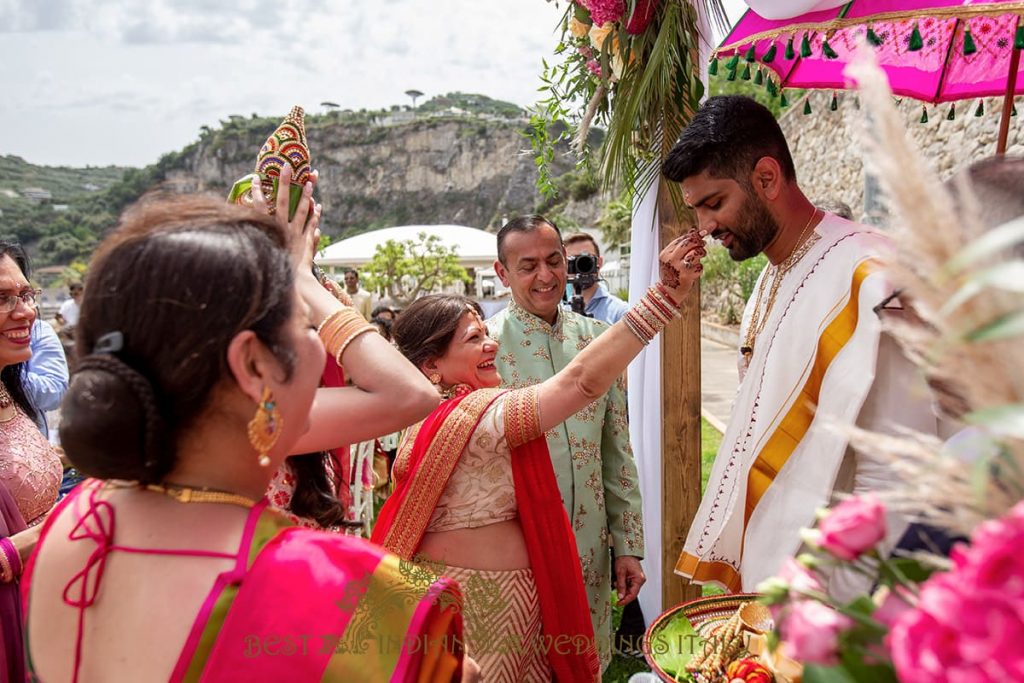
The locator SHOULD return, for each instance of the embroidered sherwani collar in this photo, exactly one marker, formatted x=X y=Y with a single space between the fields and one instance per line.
x=533 y=323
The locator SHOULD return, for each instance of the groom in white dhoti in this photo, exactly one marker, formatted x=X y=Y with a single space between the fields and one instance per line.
x=813 y=350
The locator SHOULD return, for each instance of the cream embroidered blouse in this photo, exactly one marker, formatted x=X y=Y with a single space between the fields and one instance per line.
x=480 y=490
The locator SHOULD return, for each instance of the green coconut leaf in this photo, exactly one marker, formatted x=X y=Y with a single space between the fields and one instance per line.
x=1008 y=277
x=993 y=242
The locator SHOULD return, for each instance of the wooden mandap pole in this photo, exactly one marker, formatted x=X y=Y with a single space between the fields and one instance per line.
x=680 y=426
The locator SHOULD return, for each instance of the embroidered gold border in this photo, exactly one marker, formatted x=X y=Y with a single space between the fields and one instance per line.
x=962 y=12
x=522 y=416
x=794 y=425
x=429 y=480
x=693 y=568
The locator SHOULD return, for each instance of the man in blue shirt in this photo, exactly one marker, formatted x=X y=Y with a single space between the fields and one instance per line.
x=600 y=303
x=46 y=375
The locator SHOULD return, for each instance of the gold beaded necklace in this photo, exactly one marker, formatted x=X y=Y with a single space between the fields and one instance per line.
x=187 y=494
x=758 y=319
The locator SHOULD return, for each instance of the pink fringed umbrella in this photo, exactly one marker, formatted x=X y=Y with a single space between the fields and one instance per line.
x=932 y=50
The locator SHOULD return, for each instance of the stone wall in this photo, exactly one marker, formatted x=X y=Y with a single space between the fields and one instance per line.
x=827 y=151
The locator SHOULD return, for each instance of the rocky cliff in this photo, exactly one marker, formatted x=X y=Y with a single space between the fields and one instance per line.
x=463 y=170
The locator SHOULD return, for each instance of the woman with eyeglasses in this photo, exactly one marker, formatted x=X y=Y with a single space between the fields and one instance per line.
x=30 y=468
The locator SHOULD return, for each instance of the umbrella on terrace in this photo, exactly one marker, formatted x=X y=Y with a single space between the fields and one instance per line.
x=932 y=50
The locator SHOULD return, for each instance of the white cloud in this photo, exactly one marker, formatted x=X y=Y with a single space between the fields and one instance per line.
x=123 y=81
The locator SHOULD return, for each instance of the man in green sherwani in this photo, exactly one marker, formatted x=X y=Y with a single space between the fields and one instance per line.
x=590 y=451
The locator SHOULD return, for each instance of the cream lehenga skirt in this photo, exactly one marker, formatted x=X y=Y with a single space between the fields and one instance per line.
x=502 y=624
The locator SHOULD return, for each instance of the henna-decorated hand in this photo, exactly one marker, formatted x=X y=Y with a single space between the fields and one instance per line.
x=680 y=263
x=303 y=229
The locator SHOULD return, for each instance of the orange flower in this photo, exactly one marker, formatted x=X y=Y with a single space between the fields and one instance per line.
x=748 y=671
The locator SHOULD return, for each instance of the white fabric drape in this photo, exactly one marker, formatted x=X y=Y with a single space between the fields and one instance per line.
x=645 y=373
x=645 y=399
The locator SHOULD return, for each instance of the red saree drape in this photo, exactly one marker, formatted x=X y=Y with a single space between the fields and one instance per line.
x=551 y=546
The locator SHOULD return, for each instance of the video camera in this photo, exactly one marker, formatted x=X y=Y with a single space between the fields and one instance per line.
x=582 y=272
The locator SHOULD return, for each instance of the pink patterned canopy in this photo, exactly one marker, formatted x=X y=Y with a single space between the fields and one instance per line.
x=932 y=50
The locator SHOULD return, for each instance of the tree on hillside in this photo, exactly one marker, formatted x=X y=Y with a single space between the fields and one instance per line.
x=408 y=269
x=330 y=105
x=616 y=221
x=414 y=94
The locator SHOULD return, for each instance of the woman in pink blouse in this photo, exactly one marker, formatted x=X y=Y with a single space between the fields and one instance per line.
x=30 y=468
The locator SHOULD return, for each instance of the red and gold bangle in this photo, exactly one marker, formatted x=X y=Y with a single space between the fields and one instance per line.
x=663 y=290
x=636 y=324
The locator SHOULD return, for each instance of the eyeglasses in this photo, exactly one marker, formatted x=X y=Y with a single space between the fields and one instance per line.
x=8 y=302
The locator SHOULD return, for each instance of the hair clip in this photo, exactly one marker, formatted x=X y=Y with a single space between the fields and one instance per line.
x=111 y=342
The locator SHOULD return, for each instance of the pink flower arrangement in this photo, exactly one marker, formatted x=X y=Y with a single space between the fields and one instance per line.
x=800 y=579
x=603 y=11
x=810 y=631
x=968 y=624
x=852 y=527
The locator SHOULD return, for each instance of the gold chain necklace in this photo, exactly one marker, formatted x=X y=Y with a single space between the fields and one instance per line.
x=187 y=494
x=759 y=319
x=5 y=397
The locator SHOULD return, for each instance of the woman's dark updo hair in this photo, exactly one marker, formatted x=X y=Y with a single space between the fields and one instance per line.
x=178 y=279
x=13 y=375
x=424 y=330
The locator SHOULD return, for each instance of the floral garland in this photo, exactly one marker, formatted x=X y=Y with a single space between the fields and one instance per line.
x=630 y=66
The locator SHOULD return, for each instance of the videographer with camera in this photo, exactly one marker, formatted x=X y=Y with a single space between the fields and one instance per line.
x=591 y=297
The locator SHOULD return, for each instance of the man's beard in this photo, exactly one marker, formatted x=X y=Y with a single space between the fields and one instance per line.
x=754 y=230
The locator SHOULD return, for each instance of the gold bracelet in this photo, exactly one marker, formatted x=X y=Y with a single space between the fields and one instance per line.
x=6 y=573
x=334 y=330
x=344 y=345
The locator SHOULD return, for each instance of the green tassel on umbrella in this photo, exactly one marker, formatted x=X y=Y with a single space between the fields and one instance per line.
x=769 y=55
x=807 y=107
x=1018 y=39
x=924 y=114
x=713 y=67
x=783 y=101
x=873 y=37
x=916 y=43
x=751 y=56
x=731 y=76
x=733 y=62
x=969 y=47
x=770 y=86
x=980 y=109
x=790 y=52
x=834 y=104
x=952 y=112
x=758 y=78
x=828 y=51
x=1013 y=110
x=805 y=46
x=746 y=73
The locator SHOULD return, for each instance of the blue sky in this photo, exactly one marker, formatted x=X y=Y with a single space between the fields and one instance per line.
x=123 y=81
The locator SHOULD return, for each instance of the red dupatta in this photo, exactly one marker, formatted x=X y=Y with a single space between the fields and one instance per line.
x=550 y=543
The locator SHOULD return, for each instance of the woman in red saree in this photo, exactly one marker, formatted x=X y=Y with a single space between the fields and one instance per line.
x=476 y=495
x=201 y=344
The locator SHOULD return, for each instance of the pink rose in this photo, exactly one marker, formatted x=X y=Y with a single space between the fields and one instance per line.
x=603 y=11
x=800 y=579
x=969 y=622
x=893 y=604
x=853 y=526
x=810 y=632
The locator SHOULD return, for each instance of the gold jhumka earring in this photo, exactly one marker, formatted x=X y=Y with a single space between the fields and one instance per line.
x=265 y=426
